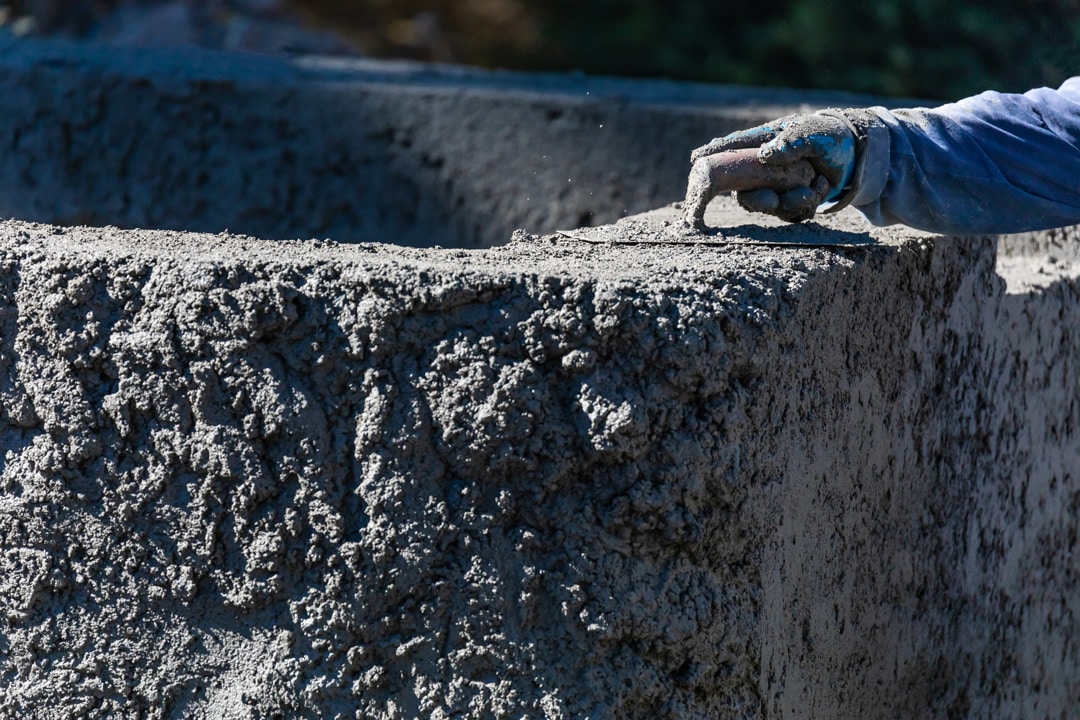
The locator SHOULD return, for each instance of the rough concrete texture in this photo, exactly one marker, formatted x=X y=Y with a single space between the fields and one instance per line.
x=562 y=478
x=351 y=150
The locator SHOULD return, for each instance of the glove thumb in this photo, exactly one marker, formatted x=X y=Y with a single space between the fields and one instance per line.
x=782 y=151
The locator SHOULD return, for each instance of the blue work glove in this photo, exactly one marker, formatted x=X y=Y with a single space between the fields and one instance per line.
x=826 y=139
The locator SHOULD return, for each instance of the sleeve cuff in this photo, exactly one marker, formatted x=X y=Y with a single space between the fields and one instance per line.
x=872 y=156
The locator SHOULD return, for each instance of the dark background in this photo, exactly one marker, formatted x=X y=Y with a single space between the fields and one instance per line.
x=918 y=48
x=926 y=48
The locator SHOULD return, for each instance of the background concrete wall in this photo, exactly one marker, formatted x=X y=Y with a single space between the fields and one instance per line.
x=351 y=150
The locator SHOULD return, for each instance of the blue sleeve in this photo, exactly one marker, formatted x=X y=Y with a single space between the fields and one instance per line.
x=993 y=163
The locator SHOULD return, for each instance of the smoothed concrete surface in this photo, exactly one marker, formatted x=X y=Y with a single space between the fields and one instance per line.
x=568 y=477
x=350 y=150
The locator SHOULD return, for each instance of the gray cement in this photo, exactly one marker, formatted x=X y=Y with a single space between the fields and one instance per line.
x=345 y=149
x=634 y=473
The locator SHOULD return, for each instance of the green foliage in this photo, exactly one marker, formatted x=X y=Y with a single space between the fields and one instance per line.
x=916 y=48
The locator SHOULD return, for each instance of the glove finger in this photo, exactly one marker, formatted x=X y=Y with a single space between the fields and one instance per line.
x=802 y=203
x=762 y=200
x=740 y=140
x=700 y=189
x=831 y=152
x=820 y=187
x=798 y=205
x=786 y=149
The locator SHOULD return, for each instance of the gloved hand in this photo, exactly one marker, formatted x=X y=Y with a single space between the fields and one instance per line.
x=824 y=139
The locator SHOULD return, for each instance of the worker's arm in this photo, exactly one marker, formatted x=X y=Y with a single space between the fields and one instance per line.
x=992 y=163
x=989 y=164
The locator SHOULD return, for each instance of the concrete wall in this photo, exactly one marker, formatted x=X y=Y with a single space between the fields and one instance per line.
x=612 y=476
x=351 y=150
x=553 y=479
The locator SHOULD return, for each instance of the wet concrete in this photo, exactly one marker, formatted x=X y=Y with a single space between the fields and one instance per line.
x=566 y=477
x=627 y=471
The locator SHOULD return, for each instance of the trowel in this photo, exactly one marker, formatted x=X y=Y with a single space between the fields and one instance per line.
x=737 y=171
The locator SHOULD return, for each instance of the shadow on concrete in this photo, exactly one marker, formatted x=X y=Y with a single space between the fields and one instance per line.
x=800 y=235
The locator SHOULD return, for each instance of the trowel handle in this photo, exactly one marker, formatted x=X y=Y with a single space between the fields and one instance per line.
x=742 y=170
